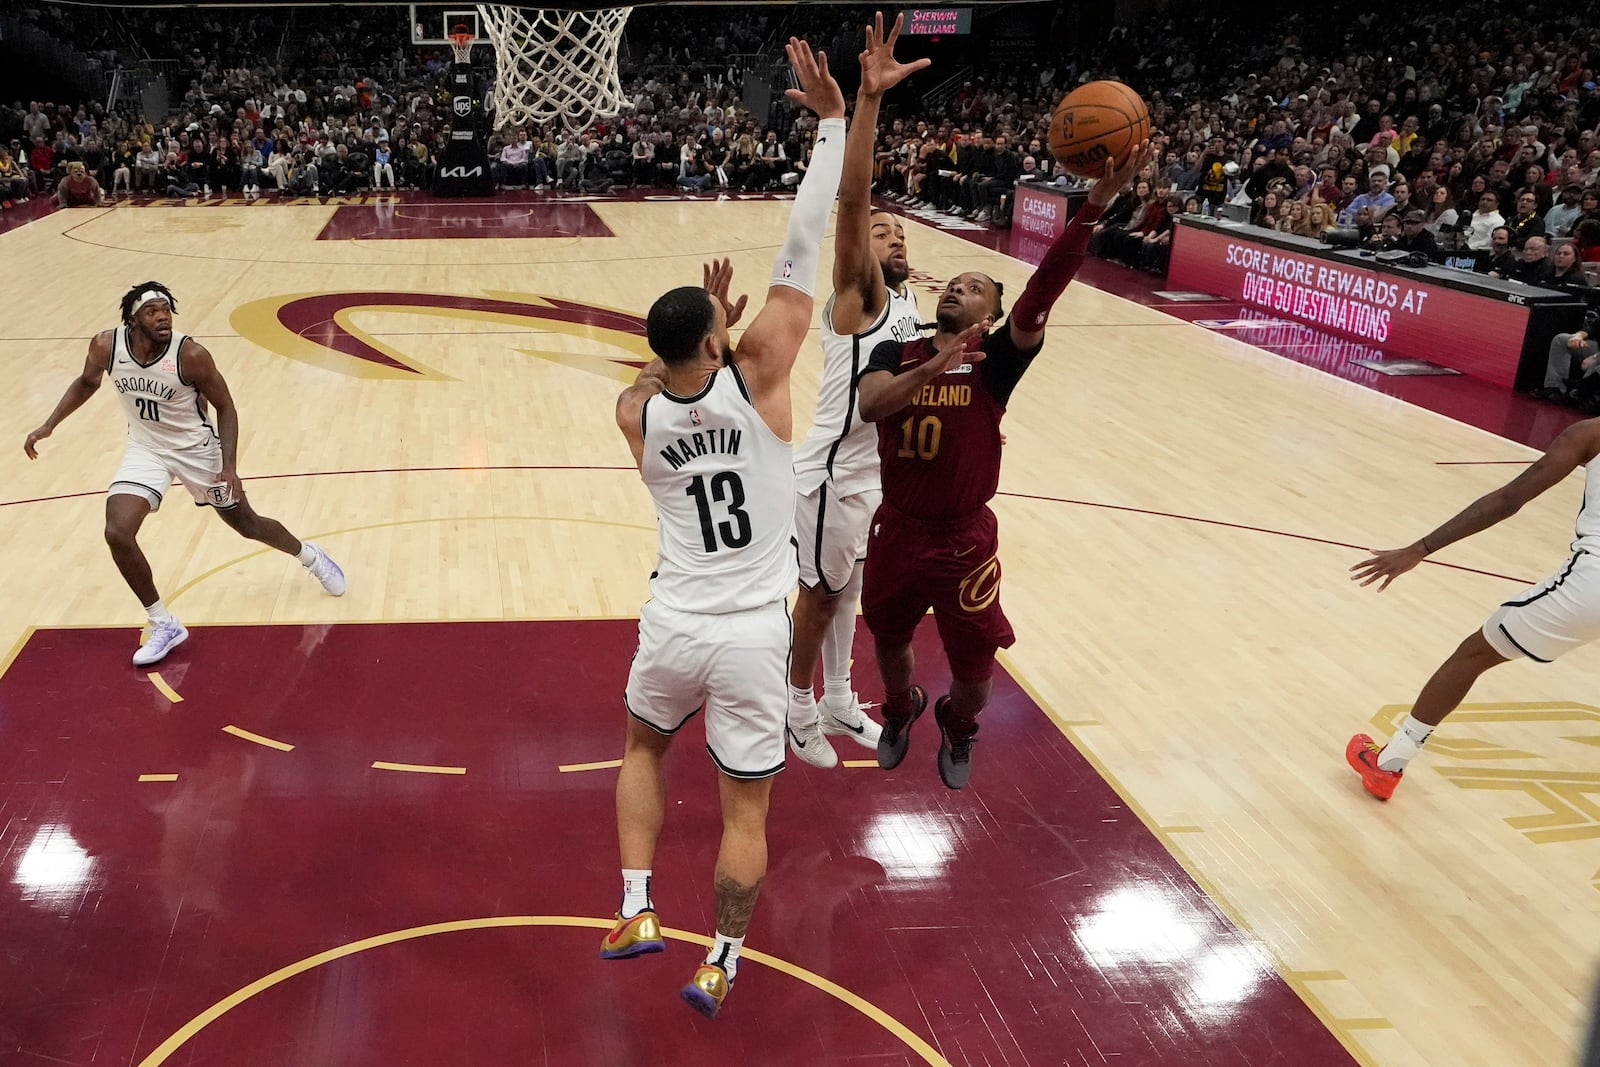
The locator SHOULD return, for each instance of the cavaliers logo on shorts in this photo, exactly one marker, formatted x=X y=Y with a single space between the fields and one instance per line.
x=980 y=588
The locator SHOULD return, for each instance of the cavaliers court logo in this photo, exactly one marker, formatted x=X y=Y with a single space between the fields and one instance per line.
x=334 y=330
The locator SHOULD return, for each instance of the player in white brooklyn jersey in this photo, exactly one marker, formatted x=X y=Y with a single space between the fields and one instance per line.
x=836 y=467
x=167 y=382
x=709 y=427
x=1540 y=623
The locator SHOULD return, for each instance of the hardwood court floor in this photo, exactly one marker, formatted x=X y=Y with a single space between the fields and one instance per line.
x=1178 y=512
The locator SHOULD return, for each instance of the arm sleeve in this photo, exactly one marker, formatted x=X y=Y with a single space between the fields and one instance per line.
x=1056 y=269
x=1004 y=364
x=796 y=265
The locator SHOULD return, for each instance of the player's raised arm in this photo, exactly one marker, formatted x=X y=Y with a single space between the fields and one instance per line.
x=857 y=275
x=1065 y=255
x=82 y=388
x=767 y=351
x=1576 y=446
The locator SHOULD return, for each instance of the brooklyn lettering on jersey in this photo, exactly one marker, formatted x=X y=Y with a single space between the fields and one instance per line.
x=934 y=395
x=147 y=386
x=707 y=442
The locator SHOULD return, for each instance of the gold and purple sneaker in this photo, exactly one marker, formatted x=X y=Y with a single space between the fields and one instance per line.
x=633 y=937
x=707 y=990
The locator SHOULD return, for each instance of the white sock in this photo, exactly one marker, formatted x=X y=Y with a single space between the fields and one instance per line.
x=1405 y=745
x=158 y=611
x=838 y=641
x=802 y=707
x=308 y=555
x=635 y=893
x=725 y=953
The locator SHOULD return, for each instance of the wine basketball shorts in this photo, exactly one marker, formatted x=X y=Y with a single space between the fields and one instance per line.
x=953 y=568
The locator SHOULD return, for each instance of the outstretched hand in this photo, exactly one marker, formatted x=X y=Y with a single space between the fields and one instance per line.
x=880 y=71
x=34 y=438
x=1387 y=564
x=818 y=91
x=718 y=275
x=1118 y=178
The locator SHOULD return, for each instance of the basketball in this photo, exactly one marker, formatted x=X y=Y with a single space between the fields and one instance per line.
x=1096 y=122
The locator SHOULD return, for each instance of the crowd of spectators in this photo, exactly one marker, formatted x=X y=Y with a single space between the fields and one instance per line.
x=1471 y=139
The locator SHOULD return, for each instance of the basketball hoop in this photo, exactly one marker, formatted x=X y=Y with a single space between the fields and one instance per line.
x=462 y=40
x=553 y=65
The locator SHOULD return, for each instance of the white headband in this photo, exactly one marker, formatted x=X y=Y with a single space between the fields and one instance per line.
x=145 y=298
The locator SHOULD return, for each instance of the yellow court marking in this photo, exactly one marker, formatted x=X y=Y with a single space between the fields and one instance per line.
x=214 y=571
x=416 y=768
x=189 y=1029
x=158 y=778
x=281 y=746
x=16 y=650
x=1343 y=1029
x=602 y=765
x=861 y=763
x=163 y=688
x=1183 y=829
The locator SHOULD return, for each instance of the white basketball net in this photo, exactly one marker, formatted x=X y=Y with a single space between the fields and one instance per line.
x=553 y=65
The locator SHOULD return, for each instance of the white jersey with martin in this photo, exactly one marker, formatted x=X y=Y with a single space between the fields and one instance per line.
x=723 y=485
x=164 y=412
x=840 y=447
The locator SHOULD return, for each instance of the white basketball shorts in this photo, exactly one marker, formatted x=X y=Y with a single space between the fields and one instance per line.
x=832 y=533
x=736 y=666
x=1556 y=616
x=149 y=472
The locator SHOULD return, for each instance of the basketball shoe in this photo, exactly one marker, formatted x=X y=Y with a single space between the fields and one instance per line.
x=633 y=937
x=164 y=636
x=895 y=737
x=1362 y=754
x=707 y=990
x=326 y=571
x=808 y=743
x=955 y=751
x=846 y=717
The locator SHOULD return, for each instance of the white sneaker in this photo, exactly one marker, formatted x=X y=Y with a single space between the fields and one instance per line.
x=326 y=571
x=164 y=637
x=808 y=743
x=848 y=719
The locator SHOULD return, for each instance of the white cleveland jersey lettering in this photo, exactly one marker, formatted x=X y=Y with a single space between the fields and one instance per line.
x=1588 y=532
x=840 y=447
x=723 y=485
x=163 y=411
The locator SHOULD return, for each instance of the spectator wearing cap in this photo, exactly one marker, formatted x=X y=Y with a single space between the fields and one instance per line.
x=1415 y=235
x=1275 y=169
x=1377 y=197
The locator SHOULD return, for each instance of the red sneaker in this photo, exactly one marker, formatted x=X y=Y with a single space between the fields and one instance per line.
x=1362 y=754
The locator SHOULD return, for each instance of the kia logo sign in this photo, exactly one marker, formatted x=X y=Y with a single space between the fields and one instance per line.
x=460 y=172
x=462 y=106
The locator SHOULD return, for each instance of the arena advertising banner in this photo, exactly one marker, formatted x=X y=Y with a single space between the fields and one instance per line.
x=1399 y=313
x=1041 y=215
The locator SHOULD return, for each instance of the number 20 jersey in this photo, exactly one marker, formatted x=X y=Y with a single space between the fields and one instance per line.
x=164 y=412
x=723 y=485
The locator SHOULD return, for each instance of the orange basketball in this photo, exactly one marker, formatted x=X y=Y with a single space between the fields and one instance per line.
x=1096 y=122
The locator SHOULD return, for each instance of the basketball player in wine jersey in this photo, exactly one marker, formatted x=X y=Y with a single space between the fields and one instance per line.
x=836 y=467
x=1540 y=623
x=709 y=427
x=934 y=542
x=166 y=382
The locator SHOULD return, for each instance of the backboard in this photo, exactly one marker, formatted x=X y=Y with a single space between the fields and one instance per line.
x=431 y=23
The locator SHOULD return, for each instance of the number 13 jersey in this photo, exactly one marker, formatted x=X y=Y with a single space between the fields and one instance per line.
x=723 y=485
x=164 y=412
